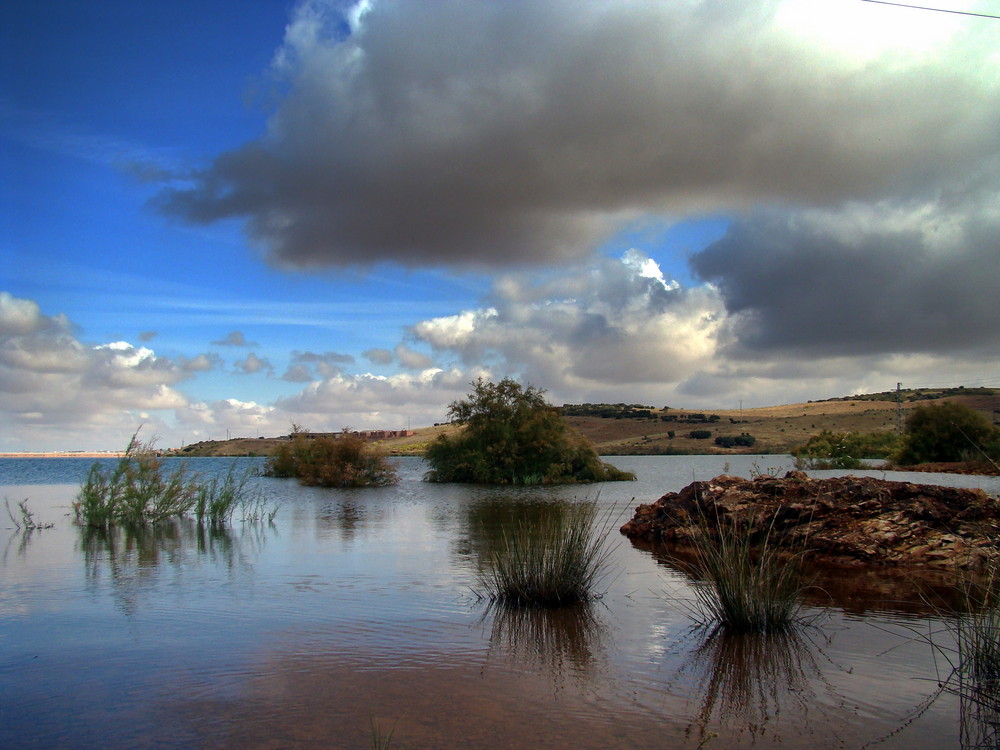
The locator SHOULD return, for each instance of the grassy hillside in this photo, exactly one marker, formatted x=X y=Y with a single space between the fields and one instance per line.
x=777 y=429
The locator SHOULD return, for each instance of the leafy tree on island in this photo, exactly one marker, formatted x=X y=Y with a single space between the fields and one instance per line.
x=512 y=435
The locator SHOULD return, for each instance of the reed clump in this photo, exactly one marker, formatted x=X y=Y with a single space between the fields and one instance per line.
x=138 y=491
x=977 y=637
x=745 y=584
x=559 y=560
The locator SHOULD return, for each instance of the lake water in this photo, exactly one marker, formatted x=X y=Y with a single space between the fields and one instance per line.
x=358 y=606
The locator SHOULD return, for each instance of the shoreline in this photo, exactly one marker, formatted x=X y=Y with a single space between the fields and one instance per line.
x=65 y=454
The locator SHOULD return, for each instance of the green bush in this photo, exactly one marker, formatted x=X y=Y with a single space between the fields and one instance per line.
x=511 y=435
x=736 y=441
x=346 y=461
x=946 y=432
x=845 y=450
x=700 y=434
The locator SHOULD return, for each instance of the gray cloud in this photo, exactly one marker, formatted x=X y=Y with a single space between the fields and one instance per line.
x=306 y=366
x=147 y=335
x=495 y=134
x=860 y=280
x=253 y=364
x=200 y=362
x=411 y=359
x=378 y=356
x=234 y=338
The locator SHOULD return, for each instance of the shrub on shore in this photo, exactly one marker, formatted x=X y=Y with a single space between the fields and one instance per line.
x=345 y=461
x=844 y=450
x=511 y=435
x=947 y=432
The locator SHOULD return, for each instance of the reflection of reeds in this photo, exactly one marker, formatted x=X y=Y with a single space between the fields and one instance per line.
x=556 y=560
x=380 y=740
x=746 y=677
x=135 y=557
x=548 y=637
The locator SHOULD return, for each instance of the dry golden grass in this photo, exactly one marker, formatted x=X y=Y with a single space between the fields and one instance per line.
x=778 y=429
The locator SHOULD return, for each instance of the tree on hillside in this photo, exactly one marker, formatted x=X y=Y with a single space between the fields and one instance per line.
x=945 y=432
x=511 y=435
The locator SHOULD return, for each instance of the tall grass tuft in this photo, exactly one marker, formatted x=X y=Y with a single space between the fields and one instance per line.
x=138 y=492
x=217 y=500
x=976 y=672
x=560 y=560
x=745 y=584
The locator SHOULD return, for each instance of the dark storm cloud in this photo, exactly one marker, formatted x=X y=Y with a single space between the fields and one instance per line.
x=496 y=134
x=858 y=282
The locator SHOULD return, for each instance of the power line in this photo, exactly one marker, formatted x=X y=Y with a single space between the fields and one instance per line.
x=936 y=10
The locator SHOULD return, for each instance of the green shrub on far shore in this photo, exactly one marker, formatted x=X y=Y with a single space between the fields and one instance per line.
x=844 y=450
x=511 y=435
x=345 y=461
x=948 y=432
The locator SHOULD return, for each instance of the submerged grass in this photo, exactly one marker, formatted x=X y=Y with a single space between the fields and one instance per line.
x=27 y=521
x=746 y=585
x=559 y=560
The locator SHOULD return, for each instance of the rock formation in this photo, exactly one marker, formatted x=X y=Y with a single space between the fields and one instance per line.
x=847 y=520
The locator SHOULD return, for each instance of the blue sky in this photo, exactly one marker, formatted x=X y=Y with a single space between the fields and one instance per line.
x=224 y=218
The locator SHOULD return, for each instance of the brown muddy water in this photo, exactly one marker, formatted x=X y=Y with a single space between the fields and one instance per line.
x=358 y=606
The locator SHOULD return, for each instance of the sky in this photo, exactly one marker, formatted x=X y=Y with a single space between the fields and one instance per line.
x=222 y=219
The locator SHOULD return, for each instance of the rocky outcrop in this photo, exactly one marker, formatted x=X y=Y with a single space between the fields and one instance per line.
x=849 y=520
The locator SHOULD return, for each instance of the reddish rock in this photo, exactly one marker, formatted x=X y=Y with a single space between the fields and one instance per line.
x=859 y=520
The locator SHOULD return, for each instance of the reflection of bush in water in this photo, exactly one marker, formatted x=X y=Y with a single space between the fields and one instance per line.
x=548 y=638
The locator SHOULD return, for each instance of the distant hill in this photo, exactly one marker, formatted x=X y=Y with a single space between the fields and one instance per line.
x=638 y=429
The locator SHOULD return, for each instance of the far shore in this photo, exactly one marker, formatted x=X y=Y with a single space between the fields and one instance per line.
x=66 y=454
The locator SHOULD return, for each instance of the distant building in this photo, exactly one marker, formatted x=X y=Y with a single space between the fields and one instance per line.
x=363 y=434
